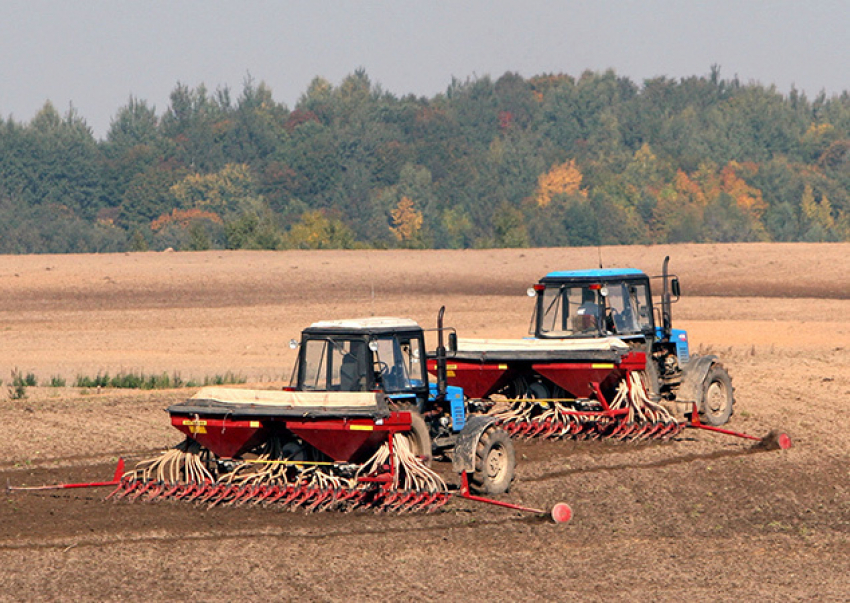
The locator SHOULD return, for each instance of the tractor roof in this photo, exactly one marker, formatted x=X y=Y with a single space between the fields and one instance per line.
x=600 y=273
x=370 y=325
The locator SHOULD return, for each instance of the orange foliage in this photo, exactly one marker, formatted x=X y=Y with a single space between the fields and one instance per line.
x=708 y=183
x=748 y=198
x=686 y=198
x=689 y=189
x=563 y=179
x=183 y=217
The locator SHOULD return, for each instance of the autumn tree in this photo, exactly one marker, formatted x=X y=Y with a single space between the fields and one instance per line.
x=561 y=179
x=679 y=210
x=818 y=216
x=220 y=192
x=316 y=230
x=406 y=223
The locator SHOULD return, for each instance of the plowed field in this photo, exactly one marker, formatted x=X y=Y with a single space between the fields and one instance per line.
x=703 y=517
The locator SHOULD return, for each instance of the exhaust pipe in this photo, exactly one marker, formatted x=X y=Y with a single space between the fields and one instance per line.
x=666 y=317
x=442 y=378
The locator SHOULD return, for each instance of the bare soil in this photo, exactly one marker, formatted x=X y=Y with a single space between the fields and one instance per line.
x=703 y=517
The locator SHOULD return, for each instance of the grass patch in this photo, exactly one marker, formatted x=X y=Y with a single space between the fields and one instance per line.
x=124 y=380
x=138 y=380
x=131 y=380
x=225 y=379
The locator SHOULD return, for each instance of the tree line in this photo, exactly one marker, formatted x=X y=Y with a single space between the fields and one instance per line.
x=551 y=160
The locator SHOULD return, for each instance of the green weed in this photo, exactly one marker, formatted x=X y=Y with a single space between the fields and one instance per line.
x=57 y=381
x=18 y=386
x=88 y=382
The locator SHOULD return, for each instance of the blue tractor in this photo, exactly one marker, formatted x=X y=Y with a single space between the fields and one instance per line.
x=602 y=361
x=389 y=355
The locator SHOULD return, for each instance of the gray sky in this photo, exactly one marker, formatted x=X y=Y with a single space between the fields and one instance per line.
x=95 y=54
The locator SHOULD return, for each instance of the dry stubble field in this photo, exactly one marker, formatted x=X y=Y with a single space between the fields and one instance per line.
x=703 y=517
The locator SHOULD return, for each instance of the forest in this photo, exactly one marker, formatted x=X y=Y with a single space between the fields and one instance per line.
x=551 y=160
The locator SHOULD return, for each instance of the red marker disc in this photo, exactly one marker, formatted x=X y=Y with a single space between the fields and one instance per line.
x=562 y=513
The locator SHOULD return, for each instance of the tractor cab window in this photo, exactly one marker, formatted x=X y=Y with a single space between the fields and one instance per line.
x=569 y=312
x=593 y=310
x=627 y=311
x=334 y=365
x=400 y=362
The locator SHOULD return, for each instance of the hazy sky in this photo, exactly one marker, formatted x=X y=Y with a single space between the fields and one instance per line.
x=95 y=54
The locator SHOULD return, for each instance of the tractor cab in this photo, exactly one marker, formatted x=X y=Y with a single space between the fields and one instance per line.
x=380 y=354
x=604 y=303
x=593 y=303
x=368 y=354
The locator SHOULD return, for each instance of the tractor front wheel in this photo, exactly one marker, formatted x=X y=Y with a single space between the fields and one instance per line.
x=494 y=463
x=718 y=397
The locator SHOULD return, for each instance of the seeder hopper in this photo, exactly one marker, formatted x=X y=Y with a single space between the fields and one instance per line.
x=568 y=391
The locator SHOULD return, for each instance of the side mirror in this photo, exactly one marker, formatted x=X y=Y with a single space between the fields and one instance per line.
x=293 y=344
x=453 y=342
x=675 y=289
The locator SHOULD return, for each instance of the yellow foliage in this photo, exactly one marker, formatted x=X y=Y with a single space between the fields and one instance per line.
x=817 y=131
x=407 y=222
x=817 y=212
x=318 y=231
x=563 y=179
x=644 y=158
x=218 y=191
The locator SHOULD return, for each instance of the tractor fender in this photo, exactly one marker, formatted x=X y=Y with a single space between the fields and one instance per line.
x=691 y=389
x=463 y=458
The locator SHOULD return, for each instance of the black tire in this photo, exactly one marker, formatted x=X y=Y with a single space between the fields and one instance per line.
x=419 y=437
x=718 y=397
x=494 y=463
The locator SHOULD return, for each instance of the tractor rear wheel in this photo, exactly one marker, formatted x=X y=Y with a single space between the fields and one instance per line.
x=419 y=438
x=718 y=397
x=494 y=463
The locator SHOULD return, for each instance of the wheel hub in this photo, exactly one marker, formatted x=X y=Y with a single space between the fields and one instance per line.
x=495 y=463
x=715 y=398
